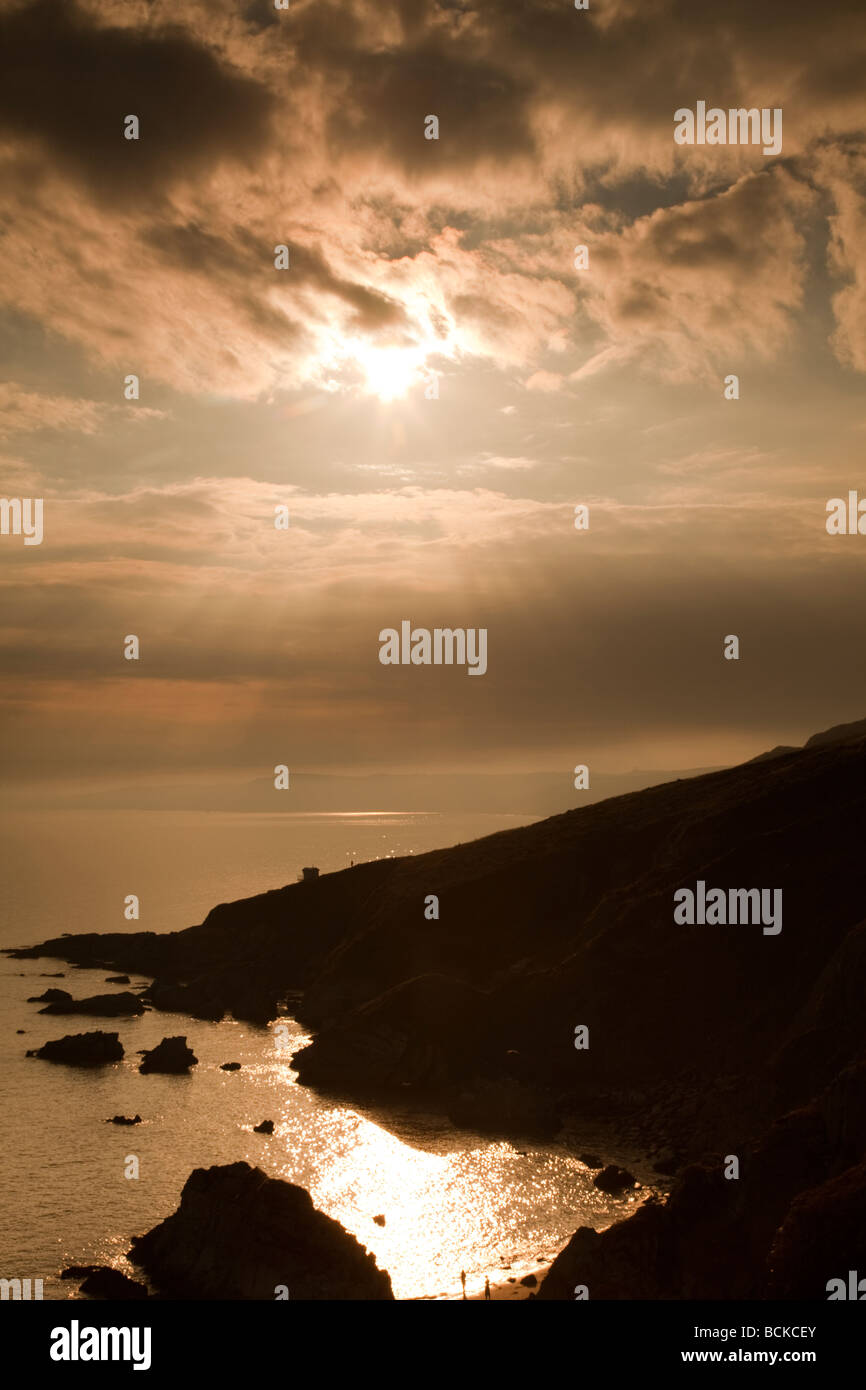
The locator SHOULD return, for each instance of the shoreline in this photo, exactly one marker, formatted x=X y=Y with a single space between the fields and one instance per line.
x=397 y=1121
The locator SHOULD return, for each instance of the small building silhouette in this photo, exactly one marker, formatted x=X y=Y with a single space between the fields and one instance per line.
x=307 y=875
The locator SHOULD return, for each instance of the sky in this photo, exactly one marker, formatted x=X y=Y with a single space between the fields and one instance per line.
x=431 y=387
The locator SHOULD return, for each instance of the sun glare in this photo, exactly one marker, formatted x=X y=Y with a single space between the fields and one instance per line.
x=388 y=372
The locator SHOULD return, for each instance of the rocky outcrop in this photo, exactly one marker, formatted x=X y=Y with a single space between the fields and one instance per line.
x=82 y=1049
x=239 y=1234
x=50 y=996
x=101 y=1281
x=123 y=1005
x=794 y=1218
x=410 y=1036
x=201 y=999
x=266 y=1127
x=822 y=1237
x=614 y=1179
x=171 y=1056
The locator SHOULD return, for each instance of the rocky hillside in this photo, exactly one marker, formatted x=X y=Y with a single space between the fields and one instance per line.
x=564 y=923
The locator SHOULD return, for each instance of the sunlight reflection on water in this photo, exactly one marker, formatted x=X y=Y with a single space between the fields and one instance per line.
x=451 y=1199
x=459 y=1202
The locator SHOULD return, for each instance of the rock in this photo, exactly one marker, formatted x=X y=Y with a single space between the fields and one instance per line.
x=105 y=1282
x=710 y=1239
x=117 y=979
x=529 y=1280
x=82 y=1049
x=667 y=1162
x=591 y=1160
x=266 y=1127
x=625 y=1261
x=379 y=1220
x=20 y=1030
x=124 y=1120
x=55 y=975
x=412 y=1033
x=239 y=1234
x=200 y=998
x=79 y=1271
x=171 y=1056
x=822 y=1237
x=230 y=1066
x=123 y=1005
x=51 y=996
x=614 y=1179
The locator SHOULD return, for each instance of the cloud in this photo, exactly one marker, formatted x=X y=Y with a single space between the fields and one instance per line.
x=842 y=171
x=307 y=128
x=696 y=287
x=67 y=83
x=558 y=386
x=23 y=411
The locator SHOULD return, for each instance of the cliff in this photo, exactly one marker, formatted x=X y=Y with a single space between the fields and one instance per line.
x=564 y=923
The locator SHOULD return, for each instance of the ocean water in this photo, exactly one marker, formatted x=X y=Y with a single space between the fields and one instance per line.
x=451 y=1199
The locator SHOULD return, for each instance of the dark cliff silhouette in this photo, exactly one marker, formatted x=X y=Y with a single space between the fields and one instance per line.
x=701 y=1035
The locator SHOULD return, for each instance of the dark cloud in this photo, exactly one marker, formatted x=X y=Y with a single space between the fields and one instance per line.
x=68 y=84
x=261 y=14
x=249 y=263
x=381 y=94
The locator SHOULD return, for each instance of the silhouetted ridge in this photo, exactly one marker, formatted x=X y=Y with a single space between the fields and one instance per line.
x=562 y=923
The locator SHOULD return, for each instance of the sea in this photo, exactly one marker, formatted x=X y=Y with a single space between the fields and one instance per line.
x=448 y=1200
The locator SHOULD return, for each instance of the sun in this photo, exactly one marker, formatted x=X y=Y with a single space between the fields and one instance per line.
x=385 y=371
x=389 y=372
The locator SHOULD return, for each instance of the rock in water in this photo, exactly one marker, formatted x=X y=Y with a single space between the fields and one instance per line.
x=51 y=996
x=117 y=979
x=82 y=1049
x=266 y=1127
x=171 y=1056
x=239 y=1234
x=104 y=1282
x=613 y=1179
x=122 y=1005
x=230 y=1066
x=124 y=1120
